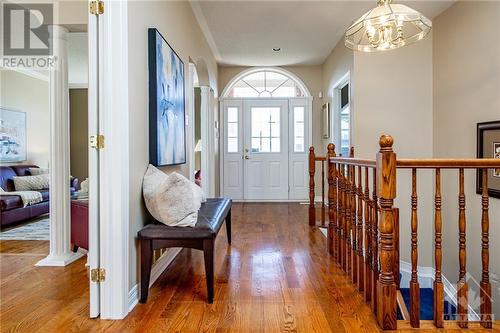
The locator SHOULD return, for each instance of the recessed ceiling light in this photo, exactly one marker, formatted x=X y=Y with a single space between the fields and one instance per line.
x=276 y=49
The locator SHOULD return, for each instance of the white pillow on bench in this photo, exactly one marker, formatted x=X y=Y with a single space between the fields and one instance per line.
x=171 y=199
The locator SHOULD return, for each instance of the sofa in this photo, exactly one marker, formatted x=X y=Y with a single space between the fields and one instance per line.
x=11 y=206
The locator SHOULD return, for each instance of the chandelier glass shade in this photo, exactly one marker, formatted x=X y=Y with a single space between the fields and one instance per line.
x=386 y=27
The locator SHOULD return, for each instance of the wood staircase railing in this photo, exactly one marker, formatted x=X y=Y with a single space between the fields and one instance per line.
x=363 y=230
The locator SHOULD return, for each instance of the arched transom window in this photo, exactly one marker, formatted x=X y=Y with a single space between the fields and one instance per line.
x=266 y=84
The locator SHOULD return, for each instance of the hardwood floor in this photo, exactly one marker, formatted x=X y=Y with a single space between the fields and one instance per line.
x=276 y=277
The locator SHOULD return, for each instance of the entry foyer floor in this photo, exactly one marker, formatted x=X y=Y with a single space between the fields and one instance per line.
x=276 y=277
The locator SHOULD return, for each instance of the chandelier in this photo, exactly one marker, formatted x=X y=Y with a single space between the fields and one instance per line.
x=386 y=27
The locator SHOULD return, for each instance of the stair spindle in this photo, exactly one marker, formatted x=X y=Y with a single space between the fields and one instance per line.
x=368 y=243
x=361 y=263
x=348 y=220
x=485 y=284
x=414 y=285
x=438 y=284
x=312 y=170
x=332 y=205
x=462 y=287
x=354 y=230
x=323 y=208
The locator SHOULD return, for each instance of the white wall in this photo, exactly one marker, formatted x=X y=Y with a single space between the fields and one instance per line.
x=21 y=92
x=78 y=63
x=467 y=91
x=176 y=22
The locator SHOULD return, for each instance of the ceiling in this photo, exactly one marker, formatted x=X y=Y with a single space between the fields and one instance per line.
x=244 y=33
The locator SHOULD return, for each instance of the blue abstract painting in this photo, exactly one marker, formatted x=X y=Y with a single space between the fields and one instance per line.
x=166 y=103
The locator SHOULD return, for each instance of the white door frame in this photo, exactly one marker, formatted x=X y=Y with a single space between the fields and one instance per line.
x=225 y=101
x=110 y=87
x=207 y=142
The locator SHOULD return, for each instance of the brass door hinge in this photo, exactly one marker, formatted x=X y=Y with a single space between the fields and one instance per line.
x=96 y=7
x=97 y=275
x=97 y=141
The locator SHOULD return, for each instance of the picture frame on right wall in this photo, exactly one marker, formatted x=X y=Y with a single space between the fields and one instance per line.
x=488 y=146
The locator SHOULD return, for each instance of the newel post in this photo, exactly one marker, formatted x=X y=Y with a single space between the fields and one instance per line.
x=386 y=191
x=332 y=197
x=312 y=170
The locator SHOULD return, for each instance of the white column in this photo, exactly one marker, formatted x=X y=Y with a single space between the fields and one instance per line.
x=207 y=143
x=60 y=218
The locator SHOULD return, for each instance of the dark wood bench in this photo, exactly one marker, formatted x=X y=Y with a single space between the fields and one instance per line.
x=211 y=216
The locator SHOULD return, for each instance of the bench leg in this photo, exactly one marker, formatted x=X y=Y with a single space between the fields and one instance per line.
x=146 y=256
x=228 y=226
x=208 y=252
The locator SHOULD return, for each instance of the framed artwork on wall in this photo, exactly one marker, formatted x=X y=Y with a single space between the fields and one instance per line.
x=167 y=132
x=12 y=136
x=488 y=146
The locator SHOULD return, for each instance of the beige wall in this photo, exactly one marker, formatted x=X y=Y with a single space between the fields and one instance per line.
x=176 y=22
x=393 y=95
x=336 y=66
x=14 y=87
x=79 y=133
x=467 y=91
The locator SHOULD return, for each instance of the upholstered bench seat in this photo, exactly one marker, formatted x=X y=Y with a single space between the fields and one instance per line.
x=211 y=216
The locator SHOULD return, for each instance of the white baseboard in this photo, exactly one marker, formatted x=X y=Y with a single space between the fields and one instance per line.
x=426 y=280
x=158 y=268
x=162 y=263
x=133 y=297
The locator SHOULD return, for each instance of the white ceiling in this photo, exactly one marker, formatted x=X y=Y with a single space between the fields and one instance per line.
x=244 y=32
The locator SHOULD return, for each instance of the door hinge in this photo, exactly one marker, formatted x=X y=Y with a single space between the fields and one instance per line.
x=98 y=275
x=96 y=7
x=97 y=141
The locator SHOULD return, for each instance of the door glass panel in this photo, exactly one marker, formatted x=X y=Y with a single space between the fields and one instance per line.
x=265 y=129
x=298 y=129
x=232 y=115
x=232 y=130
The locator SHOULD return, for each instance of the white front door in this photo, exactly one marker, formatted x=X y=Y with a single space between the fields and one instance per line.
x=265 y=149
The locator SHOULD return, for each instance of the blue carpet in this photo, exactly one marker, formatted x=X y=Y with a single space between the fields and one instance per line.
x=427 y=304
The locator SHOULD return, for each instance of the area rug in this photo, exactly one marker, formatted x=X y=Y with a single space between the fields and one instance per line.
x=37 y=230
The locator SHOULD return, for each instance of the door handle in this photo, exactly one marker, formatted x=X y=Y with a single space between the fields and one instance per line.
x=247 y=157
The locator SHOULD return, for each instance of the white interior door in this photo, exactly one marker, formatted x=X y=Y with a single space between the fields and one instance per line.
x=265 y=131
x=94 y=129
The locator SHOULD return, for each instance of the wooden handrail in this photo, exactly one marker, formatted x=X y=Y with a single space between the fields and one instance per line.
x=445 y=163
x=354 y=161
